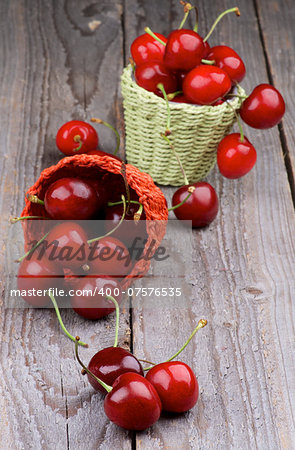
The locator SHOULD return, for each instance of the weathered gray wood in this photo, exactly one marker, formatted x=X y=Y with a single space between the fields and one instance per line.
x=53 y=68
x=276 y=21
x=242 y=276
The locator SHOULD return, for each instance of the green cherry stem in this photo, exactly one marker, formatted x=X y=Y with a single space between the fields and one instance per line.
x=208 y=62
x=202 y=323
x=150 y=32
x=235 y=10
x=187 y=7
x=33 y=248
x=85 y=369
x=173 y=95
x=186 y=182
x=160 y=86
x=61 y=322
x=78 y=139
x=94 y=119
x=109 y=297
x=147 y=362
x=34 y=199
x=17 y=219
x=190 y=189
x=238 y=122
x=116 y=227
x=123 y=173
x=121 y=202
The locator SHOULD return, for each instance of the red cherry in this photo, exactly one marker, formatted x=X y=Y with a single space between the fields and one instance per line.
x=184 y=50
x=180 y=99
x=146 y=48
x=176 y=385
x=206 y=84
x=227 y=59
x=129 y=230
x=101 y=153
x=234 y=157
x=264 y=108
x=206 y=50
x=148 y=75
x=67 y=245
x=90 y=299
x=39 y=275
x=201 y=207
x=76 y=135
x=109 y=256
x=109 y=363
x=72 y=198
x=133 y=402
x=180 y=75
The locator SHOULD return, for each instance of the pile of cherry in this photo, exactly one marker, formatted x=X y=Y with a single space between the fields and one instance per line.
x=185 y=69
x=133 y=401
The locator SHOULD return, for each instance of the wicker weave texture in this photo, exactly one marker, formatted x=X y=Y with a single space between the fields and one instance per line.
x=196 y=132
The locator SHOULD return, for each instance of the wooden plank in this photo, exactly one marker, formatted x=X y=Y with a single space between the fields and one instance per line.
x=276 y=23
x=54 y=68
x=241 y=269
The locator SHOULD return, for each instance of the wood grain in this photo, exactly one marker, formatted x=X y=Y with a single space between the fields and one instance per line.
x=54 y=68
x=241 y=268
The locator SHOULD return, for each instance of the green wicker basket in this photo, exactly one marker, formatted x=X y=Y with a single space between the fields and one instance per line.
x=196 y=132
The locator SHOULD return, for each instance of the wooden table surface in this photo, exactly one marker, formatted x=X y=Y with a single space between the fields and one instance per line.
x=56 y=66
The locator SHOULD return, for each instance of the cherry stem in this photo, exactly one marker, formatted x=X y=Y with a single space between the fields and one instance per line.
x=186 y=182
x=208 y=62
x=197 y=20
x=104 y=385
x=138 y=213
x=238 y=121
x=147 y=362
x=33 y=248
x=123 y=173
x=61 y=322
x=235 y=10
x=202 y=323
x=34 y=199
x=149 y=31
x=116 y=227
x=78 y=139
x=17 y=219
x=238 y=96
x=111 y=128
x=187 y=8
x=109 y=297
x=174 y=94
x=191 y=189
x=162 y=89
x=120 y=203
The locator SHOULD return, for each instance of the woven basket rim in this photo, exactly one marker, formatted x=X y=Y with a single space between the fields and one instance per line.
x=187 y=107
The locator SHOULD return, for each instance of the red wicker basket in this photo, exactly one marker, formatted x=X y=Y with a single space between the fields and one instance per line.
x=95 y=167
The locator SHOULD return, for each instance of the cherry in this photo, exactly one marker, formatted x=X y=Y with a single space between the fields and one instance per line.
x=146 y=48
x=109 y=256
x=71 y=198
x=109 y=363
x=91 y=297
x=133 y=403
x=235 y=156
x=264 y=108
x=206 y=84
x=36 y=274
x=129 y=229
x=180 y=99
x=176 y=385
x=184 y=50
x=227 y=59
x=101 y=153
x=67 y=245
x=207 y=49
x=76 y=137
x=201 y=207
x=148 y=75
